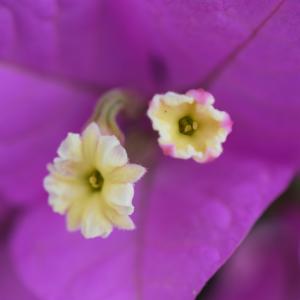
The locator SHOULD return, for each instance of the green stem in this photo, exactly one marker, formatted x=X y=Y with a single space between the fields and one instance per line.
x=107 y=110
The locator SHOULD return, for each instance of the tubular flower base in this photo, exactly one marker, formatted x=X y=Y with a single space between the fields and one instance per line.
x=92 y=183
x=189 y=126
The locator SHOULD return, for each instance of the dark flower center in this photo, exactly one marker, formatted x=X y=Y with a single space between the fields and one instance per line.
x=96 y=180
x=187 y=125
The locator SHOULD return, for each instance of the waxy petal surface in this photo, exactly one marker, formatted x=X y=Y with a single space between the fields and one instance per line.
x=189 y=221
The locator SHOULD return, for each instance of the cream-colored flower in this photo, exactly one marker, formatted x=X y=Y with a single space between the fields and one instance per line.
x=188 y=125
x=91 y=182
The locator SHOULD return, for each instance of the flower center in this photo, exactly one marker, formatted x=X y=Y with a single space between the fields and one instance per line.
x=96 y=180
x=187 y=125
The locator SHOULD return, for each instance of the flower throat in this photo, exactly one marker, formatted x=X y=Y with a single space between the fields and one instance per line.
x=187 y=125
x=96 y=180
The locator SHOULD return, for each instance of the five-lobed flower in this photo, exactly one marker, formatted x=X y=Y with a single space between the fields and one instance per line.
x=91 y=182
x=189 y=126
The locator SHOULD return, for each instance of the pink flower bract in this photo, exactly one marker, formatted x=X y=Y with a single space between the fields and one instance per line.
x=57 y=58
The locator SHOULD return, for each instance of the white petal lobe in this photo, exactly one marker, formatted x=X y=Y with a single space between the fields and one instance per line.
x=128 y=173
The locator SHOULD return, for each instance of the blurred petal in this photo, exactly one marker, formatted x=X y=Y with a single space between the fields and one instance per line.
x=190 y=216
x=36 y=115
x=261 y=88
x=78 y=268
x=156 y=54
x=86 y=41
x=11 y=287
x=267 y=264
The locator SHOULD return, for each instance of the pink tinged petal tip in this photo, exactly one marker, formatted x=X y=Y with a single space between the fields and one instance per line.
x=201 y=96
x=189 y=126
x=168 y=149
x=227 y=123
x=210 y=157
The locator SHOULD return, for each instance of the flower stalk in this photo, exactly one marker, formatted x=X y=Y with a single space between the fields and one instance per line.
x=108 y=108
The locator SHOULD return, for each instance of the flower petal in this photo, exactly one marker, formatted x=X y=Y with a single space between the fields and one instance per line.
x=127 y=174
x=118 y=194
x=189 y=216
x=75 y=213
x=274 y=247
x=90 y=137
x=61 y=46
x=104 y=148
x=120 y=221
x=63 y=195
x=118 y=158
x=11 y=285
x=94 y=223
x=71 y=147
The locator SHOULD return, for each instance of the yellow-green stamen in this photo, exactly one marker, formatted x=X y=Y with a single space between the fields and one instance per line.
x=187 y=125
x=96 y=180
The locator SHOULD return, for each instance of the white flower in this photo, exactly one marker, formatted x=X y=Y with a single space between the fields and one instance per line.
x=188 y=125
x=91 y=182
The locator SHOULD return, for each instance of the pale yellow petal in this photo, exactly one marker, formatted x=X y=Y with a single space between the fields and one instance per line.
x=71 y=147
x=121 y=209
x=59 y=205
x=90 y=137
x=120 y=221
x=94 y=222
x=129 y=173
x=63 y=188
x=117 y=158
x=75 y=214
x=104 y=149
x=119 y=194
x=67 y=169
x=112 y=158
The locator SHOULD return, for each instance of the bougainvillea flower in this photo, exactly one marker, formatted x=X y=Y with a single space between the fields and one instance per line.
x=189 y=218
x=267 y=264
x=189 y=126
x=92 y=182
